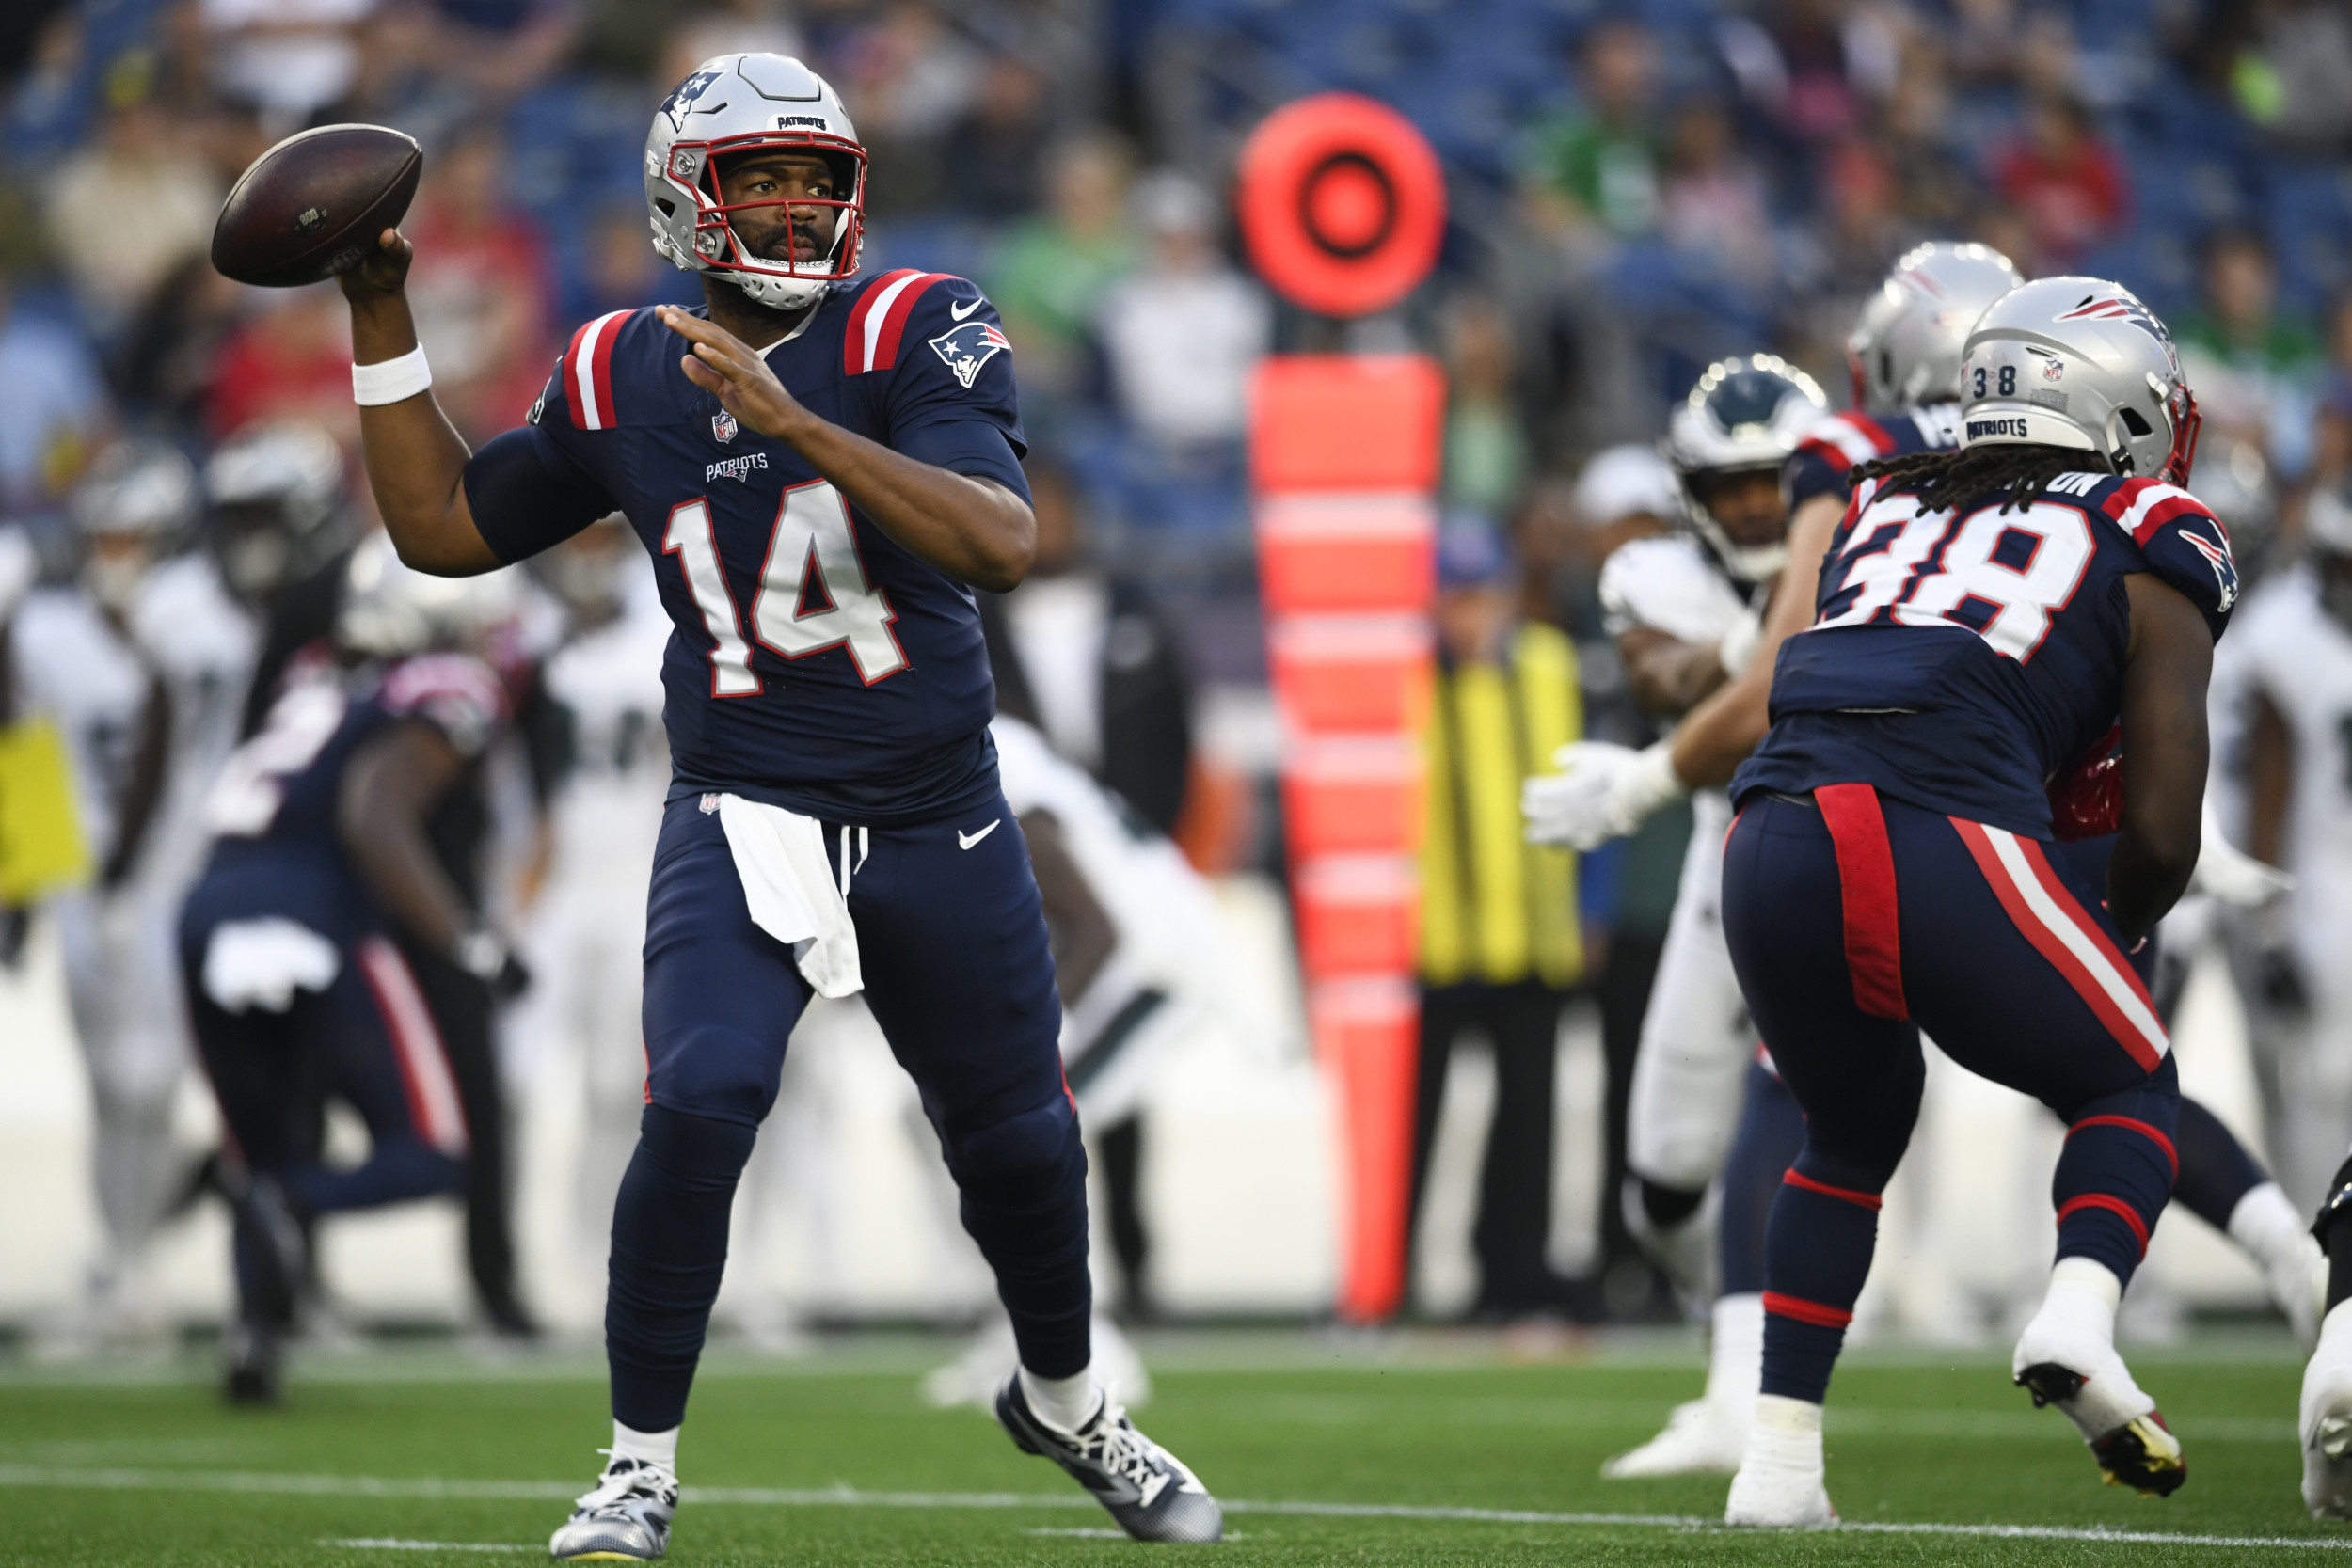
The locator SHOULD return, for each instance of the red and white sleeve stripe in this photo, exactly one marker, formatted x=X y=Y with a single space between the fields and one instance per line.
x=1855 y=437
x=879 y=319
x=2141 y=506
x=588 y=372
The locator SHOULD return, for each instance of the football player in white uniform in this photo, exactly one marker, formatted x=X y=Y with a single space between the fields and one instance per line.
x=1685 y=609
x=142 y=663
x=2294 y=658
x=1139 y=957
x=600 y=750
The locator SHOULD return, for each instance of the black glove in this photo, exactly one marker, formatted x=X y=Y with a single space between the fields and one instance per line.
x=484 y=955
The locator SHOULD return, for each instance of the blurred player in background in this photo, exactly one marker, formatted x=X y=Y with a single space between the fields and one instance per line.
x=822 y=469
x=1685 y=607
x=2294 y=658
x=297 y=990
x=1084 y=658
x=142 y=662
x=279 y=526
x=1985 y=617
x=1139 y=959
x=594 y=728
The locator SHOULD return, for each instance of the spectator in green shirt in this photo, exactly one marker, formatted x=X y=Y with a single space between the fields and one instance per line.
x=1592 y=169
x=1050 y=272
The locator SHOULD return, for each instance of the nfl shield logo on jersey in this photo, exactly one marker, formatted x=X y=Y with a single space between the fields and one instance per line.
x=968 y=347
x=723 y=427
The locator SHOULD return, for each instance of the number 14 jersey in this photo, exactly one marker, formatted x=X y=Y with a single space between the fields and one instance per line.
x=1957 y=662
x=814 y=663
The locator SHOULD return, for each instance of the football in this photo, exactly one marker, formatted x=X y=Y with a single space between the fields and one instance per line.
x=310 y=206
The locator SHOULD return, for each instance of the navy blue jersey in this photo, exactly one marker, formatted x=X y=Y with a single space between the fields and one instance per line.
x=277 y=800
x=1833 y=448
x=813 y=664
x=1958 y=662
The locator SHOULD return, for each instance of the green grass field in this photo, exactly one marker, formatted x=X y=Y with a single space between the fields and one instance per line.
x=831 y=1458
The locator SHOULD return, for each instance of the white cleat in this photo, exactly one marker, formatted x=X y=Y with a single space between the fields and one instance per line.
x=1700 y=1438
x=624 y=1518
x=2062 y=1359
x=1780 y=1484
x=2326 y=1423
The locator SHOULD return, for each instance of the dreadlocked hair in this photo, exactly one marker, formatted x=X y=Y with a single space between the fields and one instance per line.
x=1961 y=481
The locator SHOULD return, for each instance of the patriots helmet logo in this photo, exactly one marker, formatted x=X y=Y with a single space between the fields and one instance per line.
x=2216 y=554
x=680 y=104
x=968 y=347
x=723 y=427
x=2122 y=306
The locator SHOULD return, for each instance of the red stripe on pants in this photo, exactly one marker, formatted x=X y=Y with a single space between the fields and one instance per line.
x=2114 y=1205
x=1805 y=1311
x=2134 y=1124
x=1795 y=1177
x=1866 y=882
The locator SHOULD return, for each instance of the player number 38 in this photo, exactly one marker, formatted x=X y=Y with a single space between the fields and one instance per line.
x=813 y=590
x=2000 y=575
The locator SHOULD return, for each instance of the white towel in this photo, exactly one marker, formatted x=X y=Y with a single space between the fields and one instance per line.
x=262 y=963
x=780 y=856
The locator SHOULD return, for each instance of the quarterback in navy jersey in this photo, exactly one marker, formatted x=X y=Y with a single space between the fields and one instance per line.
x=822 y=465
x=1986 y=620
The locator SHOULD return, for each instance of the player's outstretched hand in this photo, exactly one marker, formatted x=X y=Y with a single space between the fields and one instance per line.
x=383 y=272
x=1602 y=792
x=723 y=364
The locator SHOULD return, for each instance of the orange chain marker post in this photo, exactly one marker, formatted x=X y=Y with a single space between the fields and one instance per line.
x=1342 y=208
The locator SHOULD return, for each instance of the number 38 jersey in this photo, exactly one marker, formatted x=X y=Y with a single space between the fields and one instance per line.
x=1957 y=662
x=813 y=662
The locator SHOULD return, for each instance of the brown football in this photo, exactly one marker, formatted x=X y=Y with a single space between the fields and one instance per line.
x=310 y=206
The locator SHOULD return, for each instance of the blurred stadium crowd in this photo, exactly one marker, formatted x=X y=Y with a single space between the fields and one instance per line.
x=1638 y=188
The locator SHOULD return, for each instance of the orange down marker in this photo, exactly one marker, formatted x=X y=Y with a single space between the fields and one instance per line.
x=1342 y=205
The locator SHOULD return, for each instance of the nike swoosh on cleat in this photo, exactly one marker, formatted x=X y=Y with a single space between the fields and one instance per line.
x=965 y=841
x=959 y=311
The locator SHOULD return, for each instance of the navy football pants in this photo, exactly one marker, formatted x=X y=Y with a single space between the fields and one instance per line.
x=952 y=943
x=367 y=1041
x=1855 y=923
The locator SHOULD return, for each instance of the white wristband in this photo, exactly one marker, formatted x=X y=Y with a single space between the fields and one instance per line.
x=393 y=381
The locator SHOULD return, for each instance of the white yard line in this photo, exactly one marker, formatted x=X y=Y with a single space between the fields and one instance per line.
x=843 y=1497
x=393 y=1543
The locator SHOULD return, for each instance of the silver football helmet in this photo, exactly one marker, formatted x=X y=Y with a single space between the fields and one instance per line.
x=390 y=610
x=136 y=506
x=137 y=489
x=1745 y=416
x=729 y=104
x=1905 y=349
x=277 y=503
x=2079 y=362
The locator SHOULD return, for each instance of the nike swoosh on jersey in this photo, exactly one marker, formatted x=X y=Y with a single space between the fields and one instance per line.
x=959 y=311
x=965 y=841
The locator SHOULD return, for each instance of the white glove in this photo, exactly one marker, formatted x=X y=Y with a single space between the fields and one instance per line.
x=2230 y=876
x=1602 y=791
